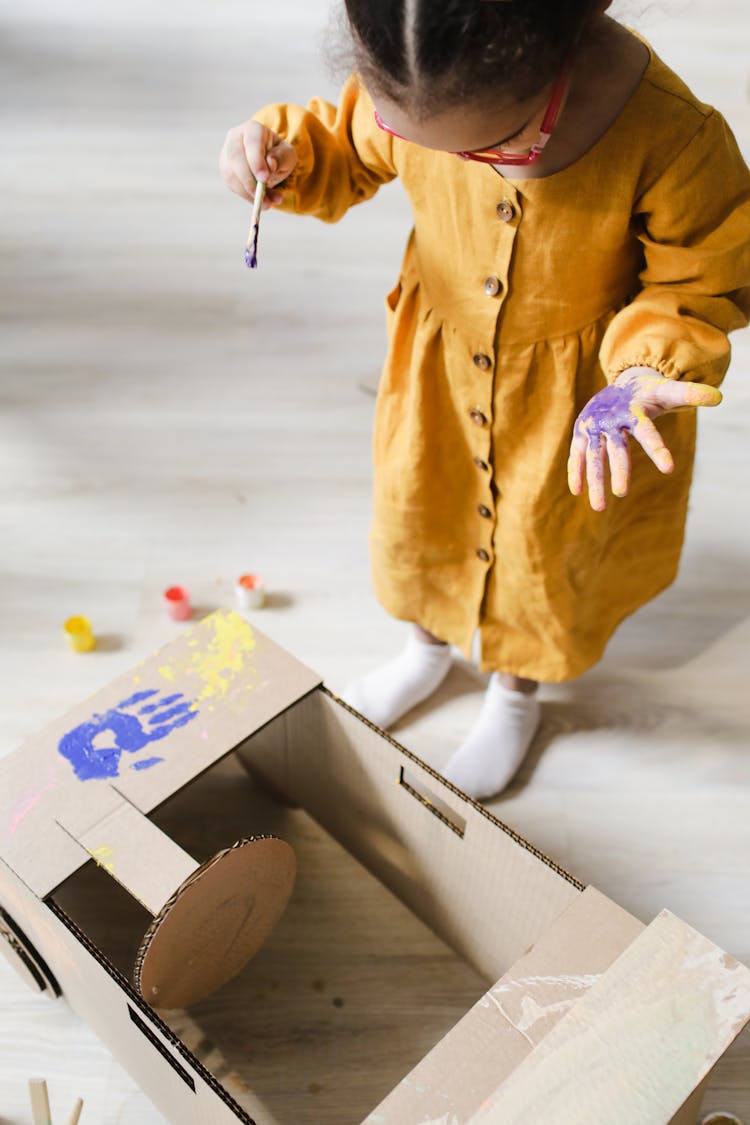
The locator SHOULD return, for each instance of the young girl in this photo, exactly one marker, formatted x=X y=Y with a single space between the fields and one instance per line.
x=581 y=248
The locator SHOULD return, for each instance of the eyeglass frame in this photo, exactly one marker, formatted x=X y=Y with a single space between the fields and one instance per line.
x=499 y=156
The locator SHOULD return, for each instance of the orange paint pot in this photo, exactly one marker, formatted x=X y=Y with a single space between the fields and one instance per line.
x=176 y=601
x=78 y=634
x=249 y=592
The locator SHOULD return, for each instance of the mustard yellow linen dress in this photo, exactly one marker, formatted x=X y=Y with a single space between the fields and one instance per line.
x=516 y=302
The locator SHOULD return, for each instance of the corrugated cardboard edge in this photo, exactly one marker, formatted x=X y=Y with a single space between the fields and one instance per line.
x=444 y=783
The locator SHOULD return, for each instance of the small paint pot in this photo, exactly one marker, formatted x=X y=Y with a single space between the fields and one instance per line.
x=249 y=591
x=176 y=602
x=78 y=634
x=720 y=1119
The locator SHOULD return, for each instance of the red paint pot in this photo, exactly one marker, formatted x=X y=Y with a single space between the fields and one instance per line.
x=249 y=591
x=176 y=602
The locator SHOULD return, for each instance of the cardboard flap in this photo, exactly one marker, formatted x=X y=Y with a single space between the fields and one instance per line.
x=452 y=1082
x=153 y=729
x=637 y=1044
x=137 y=854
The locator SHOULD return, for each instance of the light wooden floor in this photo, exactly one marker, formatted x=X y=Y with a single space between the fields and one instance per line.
x=169 y=417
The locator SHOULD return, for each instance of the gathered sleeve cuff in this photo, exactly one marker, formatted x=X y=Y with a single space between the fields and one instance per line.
x=694 y=225
x=342 y=156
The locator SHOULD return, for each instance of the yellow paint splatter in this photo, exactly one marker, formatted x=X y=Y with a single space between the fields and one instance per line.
x=217 y=664
x=103 y=857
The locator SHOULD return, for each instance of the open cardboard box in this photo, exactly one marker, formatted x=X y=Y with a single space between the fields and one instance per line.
x=430 y=966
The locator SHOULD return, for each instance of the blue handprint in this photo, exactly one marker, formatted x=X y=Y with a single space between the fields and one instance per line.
x=125 y=731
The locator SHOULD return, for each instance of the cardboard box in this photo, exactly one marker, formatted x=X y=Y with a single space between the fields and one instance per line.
x=506 y=992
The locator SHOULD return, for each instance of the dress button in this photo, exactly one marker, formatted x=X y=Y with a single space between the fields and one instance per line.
x=480 y=464
x=492 y=286
x=477 y=417
x=505 y=210
x=484 y=512
x=483 y=555
x=483 y=362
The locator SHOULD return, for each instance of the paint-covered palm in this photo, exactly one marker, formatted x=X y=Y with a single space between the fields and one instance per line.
x=627 y=408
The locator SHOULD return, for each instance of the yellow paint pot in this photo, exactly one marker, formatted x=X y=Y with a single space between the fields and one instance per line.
x=78 y=634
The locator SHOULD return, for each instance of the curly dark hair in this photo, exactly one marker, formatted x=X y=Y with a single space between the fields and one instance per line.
x=431 y=54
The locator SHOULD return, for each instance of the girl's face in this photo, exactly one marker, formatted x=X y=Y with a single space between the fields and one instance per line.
x=508 y=125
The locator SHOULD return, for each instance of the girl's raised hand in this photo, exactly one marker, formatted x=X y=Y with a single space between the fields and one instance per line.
x=627 y=407
x=250 y=153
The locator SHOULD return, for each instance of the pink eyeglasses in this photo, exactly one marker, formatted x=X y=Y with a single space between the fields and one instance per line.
x=500 y=156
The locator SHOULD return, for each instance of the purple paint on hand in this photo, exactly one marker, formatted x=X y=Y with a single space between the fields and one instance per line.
x=608 y=414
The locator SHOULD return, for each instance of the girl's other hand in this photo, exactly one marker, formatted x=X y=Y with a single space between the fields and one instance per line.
x=250 y=153
x=627 y=407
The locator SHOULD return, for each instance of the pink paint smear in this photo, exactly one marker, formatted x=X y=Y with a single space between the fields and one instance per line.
x=27 y=804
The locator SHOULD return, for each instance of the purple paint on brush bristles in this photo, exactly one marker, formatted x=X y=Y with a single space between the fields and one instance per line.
x=251 y=253
x=251 y=250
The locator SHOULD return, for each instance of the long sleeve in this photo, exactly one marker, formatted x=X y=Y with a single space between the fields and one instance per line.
x=694 y=226
x=342 y=156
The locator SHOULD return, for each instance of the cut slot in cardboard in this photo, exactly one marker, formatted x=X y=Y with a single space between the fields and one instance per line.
x=431 y=964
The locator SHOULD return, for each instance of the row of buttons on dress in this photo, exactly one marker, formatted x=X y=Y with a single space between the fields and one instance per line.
x=492 y=286
x=480 y=419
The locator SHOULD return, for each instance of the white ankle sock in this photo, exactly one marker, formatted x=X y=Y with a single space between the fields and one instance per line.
x=389 y=692
x=497 y=743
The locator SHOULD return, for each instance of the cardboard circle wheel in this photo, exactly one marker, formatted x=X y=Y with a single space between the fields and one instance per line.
x=215 y=922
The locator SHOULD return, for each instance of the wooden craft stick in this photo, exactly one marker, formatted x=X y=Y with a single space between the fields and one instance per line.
x=39 y=1101
x=76 y=1113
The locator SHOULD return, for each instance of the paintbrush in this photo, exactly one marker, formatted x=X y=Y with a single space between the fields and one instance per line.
x=251 y=250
